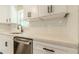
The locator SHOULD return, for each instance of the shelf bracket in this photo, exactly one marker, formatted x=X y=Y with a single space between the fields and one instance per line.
x=66 y=15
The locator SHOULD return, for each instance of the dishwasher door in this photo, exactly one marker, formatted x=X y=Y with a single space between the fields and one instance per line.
x=23 y=45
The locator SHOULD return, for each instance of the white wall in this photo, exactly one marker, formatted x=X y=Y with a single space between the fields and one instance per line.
x=72 y=24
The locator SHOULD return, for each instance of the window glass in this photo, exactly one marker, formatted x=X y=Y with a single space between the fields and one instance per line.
x=21 y=20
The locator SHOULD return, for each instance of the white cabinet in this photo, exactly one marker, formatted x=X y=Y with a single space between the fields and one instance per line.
x=6 y=44
x=34 y=11
x=43 y=10
x=46 y=48
x=9 y=14
x=5 y=14
x=59 y=8
x=30 y=11
x=42 y=48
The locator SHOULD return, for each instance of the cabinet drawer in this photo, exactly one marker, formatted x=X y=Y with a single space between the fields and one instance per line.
x=45 y=48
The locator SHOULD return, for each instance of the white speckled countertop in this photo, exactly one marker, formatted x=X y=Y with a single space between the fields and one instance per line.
x=48 y=39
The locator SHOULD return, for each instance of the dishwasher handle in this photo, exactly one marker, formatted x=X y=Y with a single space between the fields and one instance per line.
x=23 y=42
x=48 y=49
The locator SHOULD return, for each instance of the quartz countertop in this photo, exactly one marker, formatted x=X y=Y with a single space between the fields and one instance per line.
x=57 y=40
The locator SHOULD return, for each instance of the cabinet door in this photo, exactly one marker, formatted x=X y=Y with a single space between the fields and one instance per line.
x=6 y=44
x=9 y=45
x=30 y=11
x=43 y=10
x=4 y=14
x=59 y=8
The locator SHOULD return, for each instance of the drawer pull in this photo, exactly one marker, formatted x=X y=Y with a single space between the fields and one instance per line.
x=48 y=10
x=51 y=8
x=48 y=50
x=6 y=43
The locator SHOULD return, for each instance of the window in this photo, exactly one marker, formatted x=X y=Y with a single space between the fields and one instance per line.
x=21 y=20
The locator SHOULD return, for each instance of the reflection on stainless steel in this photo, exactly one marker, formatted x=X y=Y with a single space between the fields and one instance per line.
x=23 y=45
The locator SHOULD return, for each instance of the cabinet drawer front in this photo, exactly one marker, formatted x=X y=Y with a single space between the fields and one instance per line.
x=39 y=48
x=52 y=49
x=46 y=50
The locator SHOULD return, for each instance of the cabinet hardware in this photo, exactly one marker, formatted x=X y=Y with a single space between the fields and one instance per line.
x=51 y=8
x=48 y=9
x=66 y=15
x=6 y=43
x=48 y=50
x=29 y=14
x=6 y=20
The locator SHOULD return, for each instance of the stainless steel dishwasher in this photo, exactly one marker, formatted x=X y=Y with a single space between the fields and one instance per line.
x=23 y=45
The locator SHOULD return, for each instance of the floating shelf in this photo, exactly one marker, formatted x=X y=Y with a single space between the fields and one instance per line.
x=55 y=16
x=50 y=17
